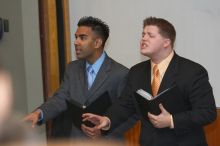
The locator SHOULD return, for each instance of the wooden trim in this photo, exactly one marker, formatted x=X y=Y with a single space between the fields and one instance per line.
x=132 y=135
x=67 y=36
x=212 y=132
x=49 y=49
x=50 y=46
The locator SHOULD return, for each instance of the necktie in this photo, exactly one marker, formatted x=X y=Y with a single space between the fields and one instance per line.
x=90 y=75
x=156 y=80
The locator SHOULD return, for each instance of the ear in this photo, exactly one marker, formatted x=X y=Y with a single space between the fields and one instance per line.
x=167 y=42
x=98 y=43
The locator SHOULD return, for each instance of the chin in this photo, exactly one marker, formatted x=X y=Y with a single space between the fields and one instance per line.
x=145 y=53
x=78 y=56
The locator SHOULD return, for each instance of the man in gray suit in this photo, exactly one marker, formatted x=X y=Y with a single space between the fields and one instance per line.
x=80 y=87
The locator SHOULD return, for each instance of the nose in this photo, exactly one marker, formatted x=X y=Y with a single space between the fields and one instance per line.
x=76 y=42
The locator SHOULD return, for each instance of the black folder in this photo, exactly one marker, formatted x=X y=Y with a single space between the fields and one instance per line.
x=99 y=107
x=171 y=99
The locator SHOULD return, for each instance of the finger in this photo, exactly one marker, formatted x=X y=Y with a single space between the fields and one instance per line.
x=34 y=122
x=86 y=119
x=87 y=128
x=151 y=116
x=94 y=120
x=91 y=132
x=25 y=119
x=100 y=126
x=104 y=123
x=152 y=121
x=84 y=131
x=91 y=119
x=87 y=115
x=155 y=125
x=29 y=117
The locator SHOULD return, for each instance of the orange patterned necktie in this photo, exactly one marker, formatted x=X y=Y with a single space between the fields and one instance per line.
x=156 y=80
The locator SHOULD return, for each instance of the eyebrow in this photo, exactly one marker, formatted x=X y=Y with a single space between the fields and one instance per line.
x=81 y=35
x=149 y=33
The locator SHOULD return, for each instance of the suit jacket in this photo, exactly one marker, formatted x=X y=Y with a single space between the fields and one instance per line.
x=196 y=91
x=111 y=77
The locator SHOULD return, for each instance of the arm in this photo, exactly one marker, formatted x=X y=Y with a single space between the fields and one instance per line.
x=123 y=127
x=57 y=103
x=54 y=106
x=202 y=103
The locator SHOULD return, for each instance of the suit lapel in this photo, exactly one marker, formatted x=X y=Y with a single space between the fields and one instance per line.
x=83 y=80
x=169 y=77
x=147 y=77
x=102 y=75
x=142 y=77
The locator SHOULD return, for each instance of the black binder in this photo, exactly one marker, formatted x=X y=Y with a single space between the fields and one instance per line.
x=171 y=99
x=99 y=107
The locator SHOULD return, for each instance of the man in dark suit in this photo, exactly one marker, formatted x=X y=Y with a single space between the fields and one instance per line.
x=86 y=79
x=183 y=128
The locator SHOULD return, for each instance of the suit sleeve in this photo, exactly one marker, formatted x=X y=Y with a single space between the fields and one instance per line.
x=202 y=111
x=123 y=127
x=124 y=108
x=57 y=103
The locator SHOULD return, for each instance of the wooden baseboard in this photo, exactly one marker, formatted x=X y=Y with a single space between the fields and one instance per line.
x=212 y=131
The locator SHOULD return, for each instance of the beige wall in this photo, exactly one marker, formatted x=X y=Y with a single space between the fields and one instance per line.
x=12 y=50
x=20 y=53
x=197 y=24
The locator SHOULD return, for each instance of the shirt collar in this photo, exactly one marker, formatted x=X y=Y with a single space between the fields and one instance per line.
x=96 y=66
x=162 y=66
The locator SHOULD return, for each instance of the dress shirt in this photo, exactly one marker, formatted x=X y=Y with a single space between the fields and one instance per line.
x=96 y=66
x=162 y=66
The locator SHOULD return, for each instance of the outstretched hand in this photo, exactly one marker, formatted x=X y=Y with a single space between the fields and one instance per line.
x=32 y=117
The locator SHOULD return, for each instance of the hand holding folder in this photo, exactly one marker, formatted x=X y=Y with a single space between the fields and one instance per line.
x=99 y=107
x=170 y=98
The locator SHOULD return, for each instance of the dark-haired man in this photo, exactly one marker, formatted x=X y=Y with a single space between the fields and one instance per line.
x=184 y=80
x=86 y=79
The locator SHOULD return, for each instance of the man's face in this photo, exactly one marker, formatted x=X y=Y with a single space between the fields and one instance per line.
x=85 y=43
x=152 y=43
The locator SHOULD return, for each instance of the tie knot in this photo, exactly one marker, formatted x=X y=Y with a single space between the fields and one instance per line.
x=90 y=76
x=155 y=69
x=90 y=69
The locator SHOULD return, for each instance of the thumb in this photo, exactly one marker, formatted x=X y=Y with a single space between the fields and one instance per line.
x=163 y=110
x=104 y=123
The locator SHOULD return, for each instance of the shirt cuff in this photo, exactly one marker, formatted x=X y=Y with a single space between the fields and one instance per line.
x=171 y=120
x=41 y=117
x=108 y=126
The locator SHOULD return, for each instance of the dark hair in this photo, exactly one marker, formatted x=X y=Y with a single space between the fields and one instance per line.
x=97 y=25
x=166 y=29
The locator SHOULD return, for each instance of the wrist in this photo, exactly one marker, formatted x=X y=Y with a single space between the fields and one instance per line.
x=38 y=112
x=171 y=122
x=108 y=125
